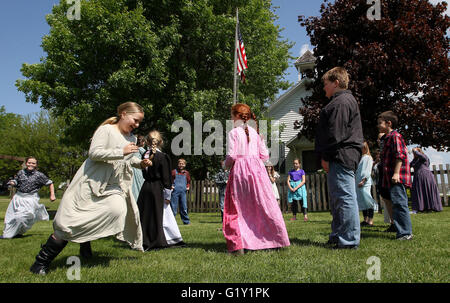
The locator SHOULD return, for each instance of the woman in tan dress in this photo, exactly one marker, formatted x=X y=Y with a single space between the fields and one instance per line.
x=99 y=201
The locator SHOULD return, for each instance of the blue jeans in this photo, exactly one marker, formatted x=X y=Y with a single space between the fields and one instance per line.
x=221 y=197
x=345 y=228
x=179 y=198
x=400 y=210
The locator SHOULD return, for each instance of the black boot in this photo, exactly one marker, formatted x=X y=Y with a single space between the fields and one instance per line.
x=85 y=250
x=48 y=252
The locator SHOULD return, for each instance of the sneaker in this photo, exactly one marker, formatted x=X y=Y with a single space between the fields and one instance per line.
x=407 y=237
x=293 y=219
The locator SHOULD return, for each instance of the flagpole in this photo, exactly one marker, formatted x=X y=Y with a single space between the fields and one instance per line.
x=235 y=58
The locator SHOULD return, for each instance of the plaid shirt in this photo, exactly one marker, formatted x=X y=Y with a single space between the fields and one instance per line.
x=395 y=149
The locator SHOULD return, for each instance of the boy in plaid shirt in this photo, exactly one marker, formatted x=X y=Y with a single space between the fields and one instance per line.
x=396 y=173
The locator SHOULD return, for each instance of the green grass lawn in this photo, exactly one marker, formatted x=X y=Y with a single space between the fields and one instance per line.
x=205 y=260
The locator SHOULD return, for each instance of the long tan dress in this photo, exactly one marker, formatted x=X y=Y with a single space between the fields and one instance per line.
x=99 y=200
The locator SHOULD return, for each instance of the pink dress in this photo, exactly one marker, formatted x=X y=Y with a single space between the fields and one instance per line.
x=252 y=217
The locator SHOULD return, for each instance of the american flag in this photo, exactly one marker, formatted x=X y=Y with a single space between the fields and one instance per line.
x=241 y=56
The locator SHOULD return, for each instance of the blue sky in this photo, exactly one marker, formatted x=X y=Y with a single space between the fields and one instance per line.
x=22 y=26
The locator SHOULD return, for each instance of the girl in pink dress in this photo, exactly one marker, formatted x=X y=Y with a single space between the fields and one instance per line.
x=252 y=217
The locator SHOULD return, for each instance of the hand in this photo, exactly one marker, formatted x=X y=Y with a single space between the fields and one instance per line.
x=52 y=197
x=396 y=178
x=130 y=149
x=146 y=163
x=325 y=165
x=361 y=184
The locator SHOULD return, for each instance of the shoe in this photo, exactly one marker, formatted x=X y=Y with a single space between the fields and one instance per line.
x=407 y=237
x=391 y=229
x=179 y=244
x=85 y=250
x=1 y=237
x=305 y=219
x=364 y=223
x=46 y=255
x=345 y=247
x=293 y=219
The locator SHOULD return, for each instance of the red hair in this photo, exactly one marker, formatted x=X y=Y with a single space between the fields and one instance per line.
x=244 y=112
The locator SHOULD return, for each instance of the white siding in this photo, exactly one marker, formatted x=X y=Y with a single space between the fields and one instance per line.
x=286 y=112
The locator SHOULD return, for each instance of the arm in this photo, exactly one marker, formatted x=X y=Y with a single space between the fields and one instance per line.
x=231 y=152
x=98 y=150
x=332 y=131
x=366 y=170
x=421 y=157
x=13 y=181
x=396 y=176
x=301 y=183
x=288 y=183
x=52 y=192
x=166 y=174
x=400 y=156
x=188 y=180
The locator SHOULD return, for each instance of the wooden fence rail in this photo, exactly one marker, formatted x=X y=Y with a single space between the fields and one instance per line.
x=204 y=194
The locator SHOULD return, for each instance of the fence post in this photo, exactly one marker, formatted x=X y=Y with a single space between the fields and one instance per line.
x=443 y=186
x=448 y=180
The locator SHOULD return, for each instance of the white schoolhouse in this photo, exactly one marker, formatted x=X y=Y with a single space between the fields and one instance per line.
x=286 y=110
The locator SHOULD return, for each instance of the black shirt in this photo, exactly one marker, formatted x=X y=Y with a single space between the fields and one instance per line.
x=339 y=134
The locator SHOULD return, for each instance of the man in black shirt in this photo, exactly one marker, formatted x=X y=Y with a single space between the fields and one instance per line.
x=339 y=142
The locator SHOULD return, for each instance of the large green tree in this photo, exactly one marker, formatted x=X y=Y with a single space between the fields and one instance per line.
x=399 y=62
x=174 y=57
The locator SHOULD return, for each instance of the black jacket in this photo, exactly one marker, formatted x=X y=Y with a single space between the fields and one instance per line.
x=339 y=134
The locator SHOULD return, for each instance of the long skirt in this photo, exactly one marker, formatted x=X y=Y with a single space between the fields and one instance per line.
x=424 y=192
x=23 y=211
x=159 y=227
x=252 y=218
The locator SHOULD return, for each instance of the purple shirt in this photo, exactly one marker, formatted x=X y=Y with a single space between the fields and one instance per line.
x=296 y=175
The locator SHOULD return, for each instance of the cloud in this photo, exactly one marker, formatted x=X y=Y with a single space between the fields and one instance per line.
x=304 y=48
x=436 y=157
